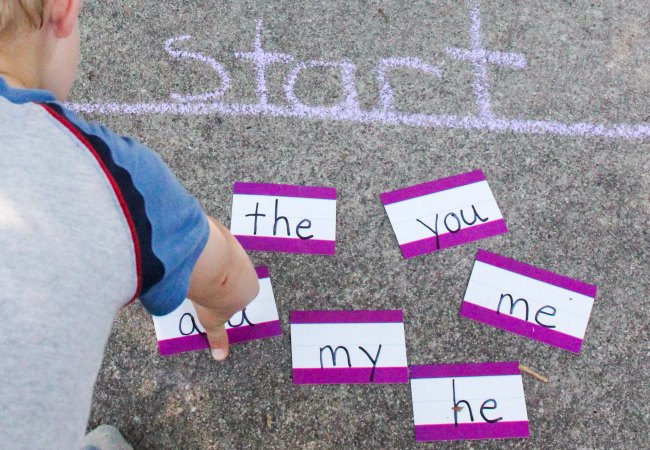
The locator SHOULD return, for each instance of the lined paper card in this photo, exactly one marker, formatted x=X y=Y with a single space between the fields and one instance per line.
x=444 y=213
x=468 y=401
x=284 y=218
x=529 y=301
x=180 y=331
x=348 y=347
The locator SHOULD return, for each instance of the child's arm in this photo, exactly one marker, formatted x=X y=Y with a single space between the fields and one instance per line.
x=222 y=283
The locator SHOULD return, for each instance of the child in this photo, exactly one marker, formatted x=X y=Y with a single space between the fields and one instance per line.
x=88 y=221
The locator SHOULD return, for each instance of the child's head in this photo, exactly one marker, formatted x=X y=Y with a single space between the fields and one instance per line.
x=39 y=44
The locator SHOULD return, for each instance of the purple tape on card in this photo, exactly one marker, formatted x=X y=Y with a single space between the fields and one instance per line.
x=520 y=326
x=461 y=231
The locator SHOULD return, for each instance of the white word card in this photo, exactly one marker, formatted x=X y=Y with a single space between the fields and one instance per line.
x=468 y=401
x=529 y=301
x=348 y=347
x=180 y=331
x=444 y=213
x=284 y=218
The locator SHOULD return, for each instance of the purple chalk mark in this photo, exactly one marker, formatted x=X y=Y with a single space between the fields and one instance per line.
x=350 y=111
x=465 y=235
x=235 y=336
x=521 y=327
x=348 y=71
x=223 y=74
x=354 y=375
x=284 y=190
x=262 y=272
x=451 y=432
x=465 y=370
x=536 y=273
x=431 y=187
x=287 y=245
x=262 y=60
x=359 y=316
x=386 y=92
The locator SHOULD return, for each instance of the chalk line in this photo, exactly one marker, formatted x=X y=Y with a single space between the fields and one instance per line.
x=627 y=131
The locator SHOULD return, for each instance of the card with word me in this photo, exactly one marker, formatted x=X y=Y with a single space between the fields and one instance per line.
x=284 y=218
x=348 y=347
x=180 y=331
x=468 y=401
x=432 y=216
x=529 y=301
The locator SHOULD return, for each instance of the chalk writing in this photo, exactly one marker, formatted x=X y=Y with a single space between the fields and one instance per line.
x=349 y=110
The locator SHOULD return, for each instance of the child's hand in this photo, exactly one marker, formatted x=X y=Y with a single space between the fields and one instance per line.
x=223 y=282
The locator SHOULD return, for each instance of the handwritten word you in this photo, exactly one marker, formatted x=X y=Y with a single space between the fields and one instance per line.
x=349 y=110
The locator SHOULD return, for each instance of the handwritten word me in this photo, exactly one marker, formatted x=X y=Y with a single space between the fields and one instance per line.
x=528 y=301
x=349 y=109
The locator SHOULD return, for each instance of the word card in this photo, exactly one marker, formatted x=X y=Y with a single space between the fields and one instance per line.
x=468 y=401
x=180 y=331
x=284 y=218
x=444 y=213
x=529 y=301
x=348 y=347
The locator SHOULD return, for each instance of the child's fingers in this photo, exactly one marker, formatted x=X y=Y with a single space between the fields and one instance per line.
x=215 y=329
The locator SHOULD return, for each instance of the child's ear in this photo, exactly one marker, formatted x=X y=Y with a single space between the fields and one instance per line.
x=63 y=15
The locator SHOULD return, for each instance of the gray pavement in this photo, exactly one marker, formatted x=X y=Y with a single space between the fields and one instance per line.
x=576 y=200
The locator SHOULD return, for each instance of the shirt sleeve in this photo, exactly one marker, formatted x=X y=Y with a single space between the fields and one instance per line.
x=170 y=226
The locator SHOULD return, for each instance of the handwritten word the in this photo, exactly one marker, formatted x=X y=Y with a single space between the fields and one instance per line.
x=304 y=224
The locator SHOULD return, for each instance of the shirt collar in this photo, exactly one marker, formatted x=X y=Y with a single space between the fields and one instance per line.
x=24 y=95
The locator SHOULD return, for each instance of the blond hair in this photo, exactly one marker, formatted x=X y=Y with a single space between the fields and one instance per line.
x=16 y=12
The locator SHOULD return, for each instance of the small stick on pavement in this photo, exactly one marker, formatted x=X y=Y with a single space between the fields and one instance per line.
x=531 y=372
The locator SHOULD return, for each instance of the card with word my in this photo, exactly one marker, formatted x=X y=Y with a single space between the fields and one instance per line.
x=284 y=218
x=348 y=347
x=529 y=301
x=432 y=216
x=180 y=331
x=468 y=401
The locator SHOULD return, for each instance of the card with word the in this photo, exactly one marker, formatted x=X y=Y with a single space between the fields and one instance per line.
x=529 y=301
x=432 y=216
x=180 y=331
x=348 y=347
x=284 y=218
x=468 y=401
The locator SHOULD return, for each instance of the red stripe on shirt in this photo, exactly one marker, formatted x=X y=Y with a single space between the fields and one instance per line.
x=118 y=193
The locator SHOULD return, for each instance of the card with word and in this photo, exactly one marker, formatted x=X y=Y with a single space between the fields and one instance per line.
x=284 y=218
x=529 y=301
x=444 y=213
x=180 y=331
x=348 y=347
x=468 y=401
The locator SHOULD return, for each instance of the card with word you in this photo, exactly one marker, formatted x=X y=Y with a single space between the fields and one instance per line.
x=284 y=218
x=468 y=401
x=348 y=347
x=180 y=331
x=529 y=301
x=444 y=213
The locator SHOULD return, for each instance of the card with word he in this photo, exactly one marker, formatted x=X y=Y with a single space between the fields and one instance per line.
x=529 y=301
x=180 y=331
x=444 y=213
x=468 y=401
x=348 y=347
x=284 y=218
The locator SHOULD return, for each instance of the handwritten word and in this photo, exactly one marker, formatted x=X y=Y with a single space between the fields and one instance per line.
x=284 y=218
x=349 y=109
x=348 y=347
x=528 y=301
x=444 y=213
x=468 y=401
x=180 y=331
